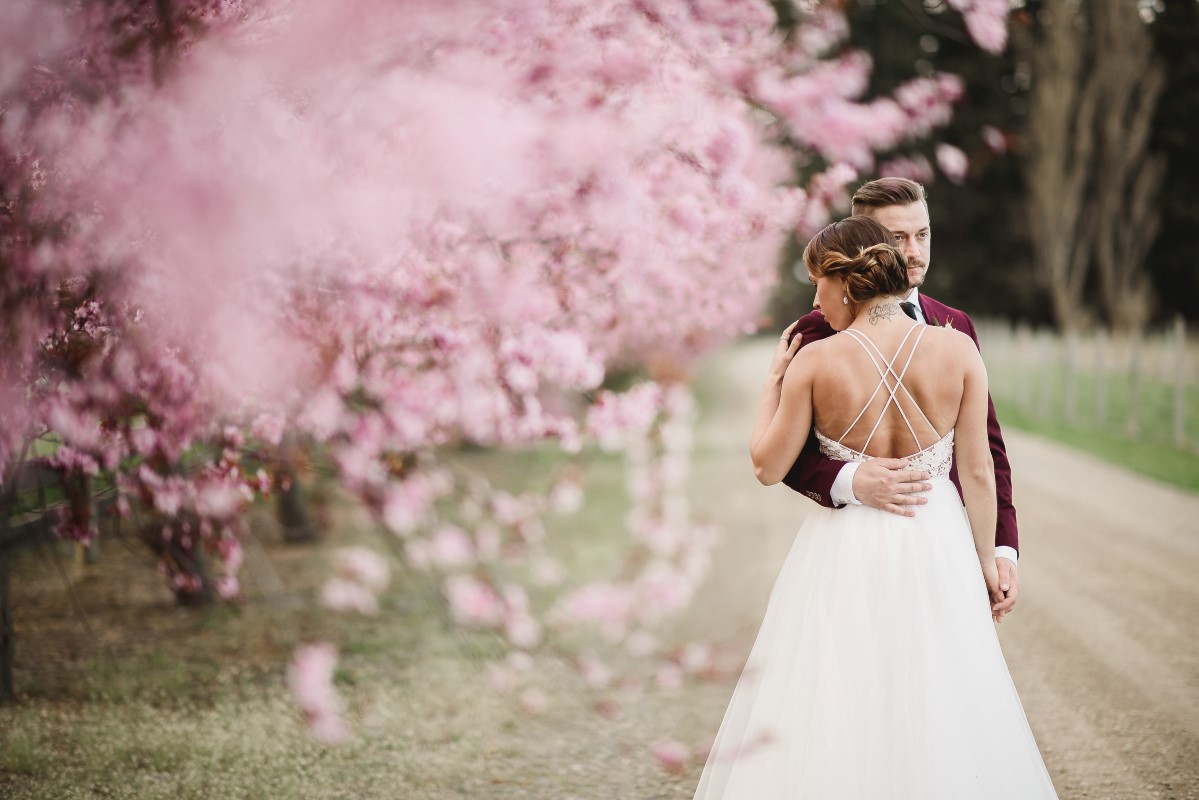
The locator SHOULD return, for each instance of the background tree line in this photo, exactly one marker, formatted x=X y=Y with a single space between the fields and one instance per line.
x=1077 y=209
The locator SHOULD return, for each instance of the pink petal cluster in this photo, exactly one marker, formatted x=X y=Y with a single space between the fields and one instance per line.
x=395 y=230
x=310 y=681
x=362 y=577
x=994 y=139
x=915 y=167
x=986 y=21
x=364 y=566
x=952 y=161
x=671 y=755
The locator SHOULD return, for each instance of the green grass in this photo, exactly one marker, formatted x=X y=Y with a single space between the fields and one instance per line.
x=1163 y=462
x=1037 y=401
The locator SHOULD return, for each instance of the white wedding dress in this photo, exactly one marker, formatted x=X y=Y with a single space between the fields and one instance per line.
x=877 y=671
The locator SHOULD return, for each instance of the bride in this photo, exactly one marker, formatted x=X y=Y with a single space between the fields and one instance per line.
x=877 y=672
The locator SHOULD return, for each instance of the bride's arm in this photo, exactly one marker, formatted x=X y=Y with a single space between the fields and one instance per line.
x=976 y=469
x=784 y=412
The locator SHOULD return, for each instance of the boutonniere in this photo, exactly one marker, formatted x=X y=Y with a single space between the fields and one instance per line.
x=948 y=323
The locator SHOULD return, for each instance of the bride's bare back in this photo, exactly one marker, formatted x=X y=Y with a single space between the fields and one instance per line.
x=849 y=398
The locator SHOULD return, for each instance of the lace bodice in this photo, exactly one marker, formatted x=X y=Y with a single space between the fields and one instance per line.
x=936 y=459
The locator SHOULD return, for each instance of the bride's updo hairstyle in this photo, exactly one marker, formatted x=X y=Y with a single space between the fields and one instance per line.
x=858 y=250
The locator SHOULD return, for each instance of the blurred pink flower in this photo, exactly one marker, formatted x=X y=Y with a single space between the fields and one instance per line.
x=228 y=587
x=310 y=681
x=365 y=567
x=218 y=500
x=566 y=497
x=671 y=755
x=696 y=657
x=953 y=162
x=473 y=602
x=450 y=546
x=605 y=604
x=522 y=630
x=594 y=672
x=994 y=139
x=914 y=167
x=344 y=595
x=668 y=677
x=268 y=428
x=986 y=21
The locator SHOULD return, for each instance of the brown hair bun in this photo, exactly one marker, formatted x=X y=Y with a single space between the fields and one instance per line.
x=858 y=250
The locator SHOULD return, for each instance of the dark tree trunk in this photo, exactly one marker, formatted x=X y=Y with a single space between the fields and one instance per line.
x=293 y=508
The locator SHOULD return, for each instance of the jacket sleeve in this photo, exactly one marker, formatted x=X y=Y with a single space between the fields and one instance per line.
x=813 y=473
x=1005 y=527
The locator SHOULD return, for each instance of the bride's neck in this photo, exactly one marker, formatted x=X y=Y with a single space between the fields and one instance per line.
x=881 y=310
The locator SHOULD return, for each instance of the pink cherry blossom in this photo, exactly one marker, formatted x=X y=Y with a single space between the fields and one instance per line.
x=668 y=677
x=473 y=602
x=594 y=672
x=671 y=755
x=340 y=594
x=310 y=681
x=450 y=547
x=994 y=139
x=393 y=232
x=986 y=21
x=364 y=566
x=953 y=162
x=522 y=630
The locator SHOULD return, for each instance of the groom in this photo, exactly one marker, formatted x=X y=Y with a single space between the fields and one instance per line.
x=887 y=483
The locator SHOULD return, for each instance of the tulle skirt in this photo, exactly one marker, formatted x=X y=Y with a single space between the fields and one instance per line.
x=877 y=672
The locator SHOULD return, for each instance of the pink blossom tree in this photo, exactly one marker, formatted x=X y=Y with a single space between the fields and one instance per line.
x=393 y=229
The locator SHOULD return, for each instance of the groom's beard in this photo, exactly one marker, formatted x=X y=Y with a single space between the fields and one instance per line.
x=916 y=272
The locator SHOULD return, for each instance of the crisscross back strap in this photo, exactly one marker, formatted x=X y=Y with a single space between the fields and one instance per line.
x=886 y=369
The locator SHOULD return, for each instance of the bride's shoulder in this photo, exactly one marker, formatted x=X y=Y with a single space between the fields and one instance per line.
x=948 y=337
x=821 y=347
x=946 y=333
x=957 y=344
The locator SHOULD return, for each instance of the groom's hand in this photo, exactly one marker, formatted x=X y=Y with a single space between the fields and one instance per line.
x=889 y=484
x=1009 y=585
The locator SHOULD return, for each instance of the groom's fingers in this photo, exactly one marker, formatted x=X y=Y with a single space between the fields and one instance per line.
x=1009 y=585
x=898 y=508
x=1006 y=600
x=890 y=484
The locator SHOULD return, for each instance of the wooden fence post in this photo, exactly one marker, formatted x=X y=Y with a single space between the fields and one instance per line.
x=1100 y=379
x=1024 y=378
x=1045 y=359
x=1180 y=381
x=1132 y=426
x=1071 y=376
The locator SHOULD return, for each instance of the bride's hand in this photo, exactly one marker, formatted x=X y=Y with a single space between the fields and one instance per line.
x=991 y=576
x=788 y=346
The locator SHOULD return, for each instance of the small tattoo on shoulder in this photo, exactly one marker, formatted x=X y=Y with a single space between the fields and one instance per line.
x=884 y=311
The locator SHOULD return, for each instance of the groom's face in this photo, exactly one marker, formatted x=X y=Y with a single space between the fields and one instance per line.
x=913 y=236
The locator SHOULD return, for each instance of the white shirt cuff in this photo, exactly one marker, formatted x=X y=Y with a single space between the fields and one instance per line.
x=1002 y=551
x=842 y=492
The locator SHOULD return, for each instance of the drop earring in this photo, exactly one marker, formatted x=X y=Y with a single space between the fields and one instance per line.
x=845 y=300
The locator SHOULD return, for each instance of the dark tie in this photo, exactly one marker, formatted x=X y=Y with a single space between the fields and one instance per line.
x=909 y=309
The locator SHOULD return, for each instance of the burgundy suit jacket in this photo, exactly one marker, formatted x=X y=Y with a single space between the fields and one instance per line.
x=813 y=473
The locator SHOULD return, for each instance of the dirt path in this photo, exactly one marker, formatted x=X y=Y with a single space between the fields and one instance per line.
x=1102 y=645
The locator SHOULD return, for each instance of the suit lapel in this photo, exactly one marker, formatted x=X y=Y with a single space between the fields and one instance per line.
x=924 y=309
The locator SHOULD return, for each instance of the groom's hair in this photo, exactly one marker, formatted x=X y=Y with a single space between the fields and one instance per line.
x=887 y=192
